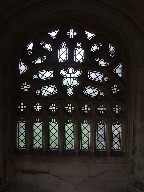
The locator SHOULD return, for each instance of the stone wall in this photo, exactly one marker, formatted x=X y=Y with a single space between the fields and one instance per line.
x=52 y=174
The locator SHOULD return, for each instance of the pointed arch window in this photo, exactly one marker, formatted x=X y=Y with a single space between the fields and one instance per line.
x=72 y=93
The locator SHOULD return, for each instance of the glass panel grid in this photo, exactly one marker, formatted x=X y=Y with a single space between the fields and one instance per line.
x=85 y=135
x=100 y=136
x=116 y=136
x=69 y=135
x=37 y=134
x=53 y=134
x=21 y=134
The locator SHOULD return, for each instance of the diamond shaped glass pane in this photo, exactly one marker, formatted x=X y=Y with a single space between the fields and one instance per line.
x=53 y=134
x=100 y=136
x=79 y=53
x=21 y=134
x=116 y=136
x=37 y=134
x=69 y=135
x=85 y=135
x=63 y=53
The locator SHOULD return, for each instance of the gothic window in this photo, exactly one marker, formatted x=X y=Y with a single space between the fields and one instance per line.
x=72 y=93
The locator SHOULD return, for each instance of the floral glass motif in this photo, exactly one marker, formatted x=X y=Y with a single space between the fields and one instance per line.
x=115 y=89
x=71 y=33
x=116 y=135
x=53 y=107
x=37 y=134
x=69 y=108
x=30 y=48
x=53 y=134
x=47 y=91
x=96 y=47
x=43 y=75
x=69 y=135
x=112 y=50
x=70 y=79
x=101 y=109
x=46 y=46
x=86 y=108
x=117 y=109
x=21 y=134
x=79 y=53
x=97 y=76
x=22 y=107
x=63 y=53
x=53 y=34
x=102 y=62
x=25 y=87
x=39 y=60
x=89 y=35
x=22 y=67
x=93 y=92
x=37 y=107
x=85 y=135
x=118 y=70
x=101 y=136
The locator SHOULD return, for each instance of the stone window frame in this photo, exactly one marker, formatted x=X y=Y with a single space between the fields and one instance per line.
x=92 y=151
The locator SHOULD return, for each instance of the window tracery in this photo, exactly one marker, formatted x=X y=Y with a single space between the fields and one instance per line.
x=71 y=89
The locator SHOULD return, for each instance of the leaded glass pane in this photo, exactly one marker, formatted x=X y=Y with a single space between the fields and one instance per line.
x=101 y=136
x=79 y=53
x=69 y=135
x=53 y=134
x=70 y=71
x=63 y=53
x=85 y=135
x=37 y=134
x=70 y=79
x=21 y=134
x=116 y=136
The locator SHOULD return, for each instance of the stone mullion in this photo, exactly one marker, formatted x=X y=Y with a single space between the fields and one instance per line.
x=61 y=122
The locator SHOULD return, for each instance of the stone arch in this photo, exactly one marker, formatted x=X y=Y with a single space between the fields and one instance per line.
x=15 y=28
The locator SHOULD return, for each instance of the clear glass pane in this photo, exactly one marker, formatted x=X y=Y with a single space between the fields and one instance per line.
x=53 y=134
x=43 y=75
x=97 y=76
x=86 y=109
x=71 y=33
x=100 y=136
x=69 y=135
x=79 y=53
x=93 y=92
x=89 y=35
x=112 y=50
x=102 y=62
x=63 y=53
x=70 y=79
x=30 y=48
x=116 y=135
x=119 y=70
x=39 y=60
x=37 y=134
x=22 y=67
x=47 y=91
x=85 y=135
x=96 y=47
x=21 y=134
x=53 y=34
x=46 y=46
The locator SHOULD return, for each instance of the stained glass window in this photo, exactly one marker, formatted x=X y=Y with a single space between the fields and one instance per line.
x=71 y=88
